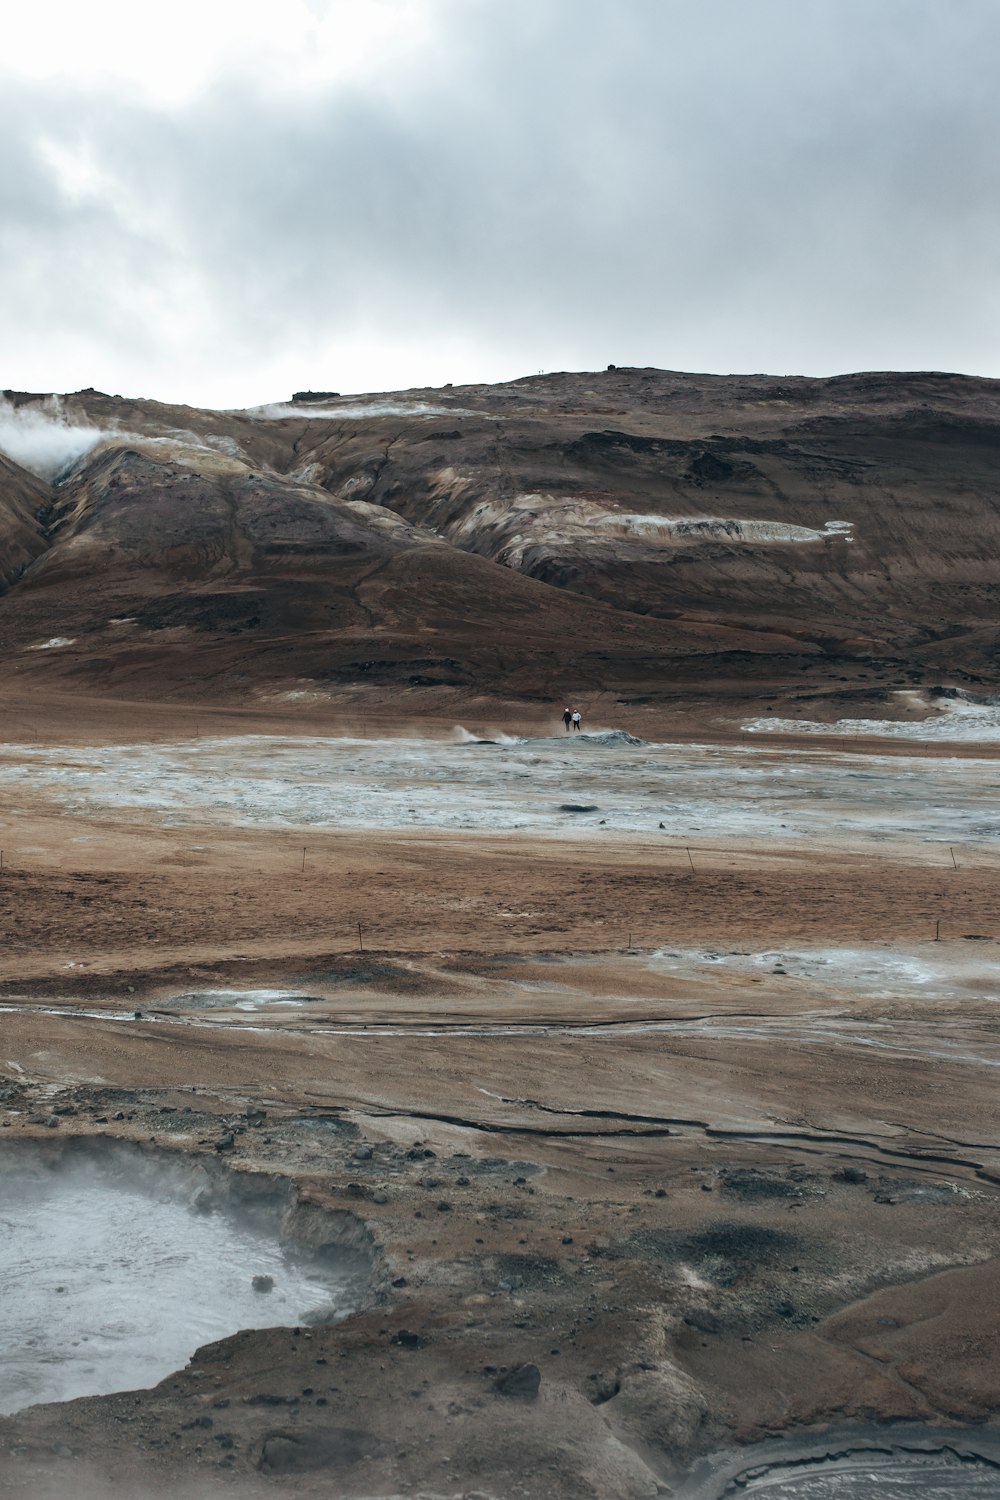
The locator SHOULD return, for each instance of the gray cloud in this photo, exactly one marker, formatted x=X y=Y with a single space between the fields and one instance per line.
x=792 y=185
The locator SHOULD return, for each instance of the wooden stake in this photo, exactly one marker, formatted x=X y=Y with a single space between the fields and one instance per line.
x=690 y=860
x=361 y=945
x=953 y=859
x=937 y=930
x=303 y=859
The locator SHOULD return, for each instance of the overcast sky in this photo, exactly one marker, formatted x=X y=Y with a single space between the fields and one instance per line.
x=220 y=201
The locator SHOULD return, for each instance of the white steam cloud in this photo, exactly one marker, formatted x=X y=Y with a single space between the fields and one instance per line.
x=41 y=437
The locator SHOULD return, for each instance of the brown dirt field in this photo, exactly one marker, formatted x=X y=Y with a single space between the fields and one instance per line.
x=657 y=1218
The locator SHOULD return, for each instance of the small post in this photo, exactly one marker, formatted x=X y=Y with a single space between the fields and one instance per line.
x=953 y=859
x=690 y=860
x=1 y=859
x=303 y=859
x=937 y=930
x=630 y=940
x=361 y=946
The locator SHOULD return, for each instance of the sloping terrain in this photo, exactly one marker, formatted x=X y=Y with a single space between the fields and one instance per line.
x=635 y=532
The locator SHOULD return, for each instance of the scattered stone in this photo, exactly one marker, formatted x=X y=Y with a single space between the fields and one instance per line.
x=567 y=1239
x=380 y=1197
x=52 y=1122
x=262 y=1283
x=224 y=1143
x=407 y=1340
x=521 y=1383
x=852 y=1174
x=444 y=1207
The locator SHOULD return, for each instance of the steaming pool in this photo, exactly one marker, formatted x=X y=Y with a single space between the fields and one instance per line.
x=115 y=1266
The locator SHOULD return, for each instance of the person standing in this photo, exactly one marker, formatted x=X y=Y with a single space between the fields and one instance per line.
x=577 y=721
x=567 y=719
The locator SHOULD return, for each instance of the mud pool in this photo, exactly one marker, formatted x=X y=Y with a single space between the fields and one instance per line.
x=685 y=792
x=873 y=1466
x=112 y=1275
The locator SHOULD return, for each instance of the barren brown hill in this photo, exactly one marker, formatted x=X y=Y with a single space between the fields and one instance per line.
x=640 y=533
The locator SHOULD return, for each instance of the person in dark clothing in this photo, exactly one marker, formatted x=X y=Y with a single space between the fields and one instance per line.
x=567 y=719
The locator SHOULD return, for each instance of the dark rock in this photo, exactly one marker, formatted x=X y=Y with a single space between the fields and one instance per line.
x=407 y=1340
x=521 y=1383
x=262 y=1283
x=224 y=1143
x=852 y=1174
x=703 y=1320
x=444 y=1207
x=332 y=1448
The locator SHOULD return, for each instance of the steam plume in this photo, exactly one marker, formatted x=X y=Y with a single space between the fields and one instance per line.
x=42 y=438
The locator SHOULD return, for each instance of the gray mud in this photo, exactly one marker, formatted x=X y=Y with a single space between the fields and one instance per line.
x=901 y=1463
x=116 y=1264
